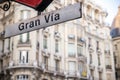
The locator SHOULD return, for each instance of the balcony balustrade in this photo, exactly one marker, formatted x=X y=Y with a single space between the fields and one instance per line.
x=99 y=51
x=108 y=67
x=92 y=66
x=45 y=52
x=90 y=48
x=81 y=57
x=23 y=64
x=24 y=44
x=100 y=69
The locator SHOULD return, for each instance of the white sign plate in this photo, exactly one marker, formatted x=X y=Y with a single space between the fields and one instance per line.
x=68 y=13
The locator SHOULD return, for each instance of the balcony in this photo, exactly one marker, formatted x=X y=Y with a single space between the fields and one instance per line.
x=1 y=53
x=76 y=75
x=71 y=36
x=24 y=44
x=107 y=52
x=117 y=66
x=89 y=17
x=92 y=66
x=82 y=58
x=97 y=21
x=46 y=31
x=72 y=55
x=99 y=51
x=100 y=69
x=57 y=56
x=57 y=35
x=56 y=71
x=91 y=49
x=45 y=53
x=71 y=74
x=21 y=64
x=7 y=52
x=81 y=39
x=108 y=67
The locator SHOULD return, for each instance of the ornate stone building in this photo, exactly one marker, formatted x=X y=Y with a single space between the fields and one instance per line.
x=76 y=50
x=115 y=32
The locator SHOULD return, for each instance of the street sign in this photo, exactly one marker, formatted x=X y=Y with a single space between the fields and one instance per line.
x=68 y=13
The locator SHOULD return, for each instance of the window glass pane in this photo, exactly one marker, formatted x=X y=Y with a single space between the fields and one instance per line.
x=25 y=14
x=57 y=65
x=90 y=58
x=23 y=57
x=22 y=77
x=56 y=46
x=71 y=66
x=45 y=62
x=71 y=50
x=107 y=46
x=108 y=61
x=79 y=50
x=24 y=37
x=45 y=42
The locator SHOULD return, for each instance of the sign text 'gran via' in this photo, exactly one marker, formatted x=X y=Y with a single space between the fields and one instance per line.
x=68 y=13
x=47 y=18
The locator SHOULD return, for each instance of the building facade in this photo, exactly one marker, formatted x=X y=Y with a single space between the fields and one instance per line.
x=76 y=50
x=116 y=43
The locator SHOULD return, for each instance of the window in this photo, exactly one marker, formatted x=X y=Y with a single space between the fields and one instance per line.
x=100 y=75
x=45 y=42
x=96 y=15
x=89 y=27
x=71 y=50
x=109 y=77
x=90 y=58
x=45 y=61
x=79 y=50
x=80 y=67
x=25 y=14
x=56 y=46
x=24 y=37
x=108 y=63
x=9 y=40
x=92 y=74
x=3 y=44
x=107 y=48
x=57 y=65
x=89 y=42
x=89 y=11
x=116 y=47
x=99 y=60
x=71 y=67
x=97 y=45
x=22 y=77
x=23 y=57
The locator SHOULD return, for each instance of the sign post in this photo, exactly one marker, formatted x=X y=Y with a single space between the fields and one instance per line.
x=68 y=13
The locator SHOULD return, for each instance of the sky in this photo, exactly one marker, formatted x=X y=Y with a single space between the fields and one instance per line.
x=111 y=6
